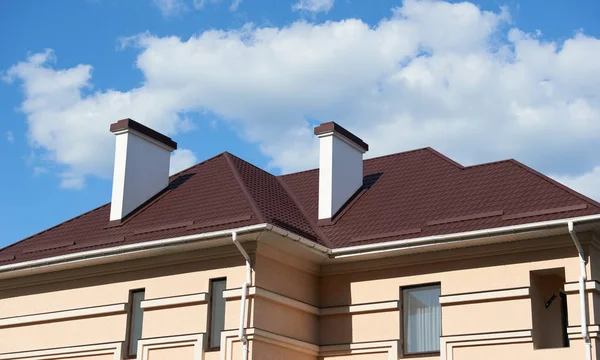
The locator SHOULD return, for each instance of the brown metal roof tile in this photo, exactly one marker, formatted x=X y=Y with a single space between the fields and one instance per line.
x=419 y=189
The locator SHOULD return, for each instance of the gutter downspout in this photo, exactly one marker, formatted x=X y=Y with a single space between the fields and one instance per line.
x=245 y=286
x=582 y=300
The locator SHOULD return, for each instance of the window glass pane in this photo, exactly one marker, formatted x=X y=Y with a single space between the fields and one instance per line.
x=137 y=318
x=217 y=316
x=422 y=319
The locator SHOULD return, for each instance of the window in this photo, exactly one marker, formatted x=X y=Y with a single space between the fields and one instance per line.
x=422 y=317
x=549 y=308
x=217 y=312
x=136 y=318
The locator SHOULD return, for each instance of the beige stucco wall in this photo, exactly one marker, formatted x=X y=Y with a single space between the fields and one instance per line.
x=380 y=356
x=184 y=352
x=262 y=350
x=93 y=357
x=56 y=334
x=459 y=272
x=516 y=351
x=350 y=293
x=175 y=321
x=170 y=276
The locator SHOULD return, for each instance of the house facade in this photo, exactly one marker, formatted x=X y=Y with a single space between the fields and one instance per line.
x=409 y=255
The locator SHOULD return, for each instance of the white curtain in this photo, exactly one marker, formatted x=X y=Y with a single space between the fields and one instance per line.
x=422 y=319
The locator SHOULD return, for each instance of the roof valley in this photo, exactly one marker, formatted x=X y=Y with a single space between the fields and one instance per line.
x=324 y=238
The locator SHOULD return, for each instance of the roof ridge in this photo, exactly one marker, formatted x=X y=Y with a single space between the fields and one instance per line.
x=248 y=162
x=379 y=157
x=555 y=183
x=238 y=178
x=444 y=157
x=171 y=177
x=488 y=163
x=304 y=213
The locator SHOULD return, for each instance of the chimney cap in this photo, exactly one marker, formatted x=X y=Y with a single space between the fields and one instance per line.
x=127 y=124
x=332 y=127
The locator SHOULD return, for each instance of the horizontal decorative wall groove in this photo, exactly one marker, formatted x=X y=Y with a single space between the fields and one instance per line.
x=277 y=298
x=67 y=352
x=174 y=301
x=574 y=332
x=63 y=315
x=448 y=343
x=255 y=334
x=377 y=347
x=302 y=306
x=360 y=308
x=504 y=294
x=168 y=342
x=389 y=347
x=591 y=285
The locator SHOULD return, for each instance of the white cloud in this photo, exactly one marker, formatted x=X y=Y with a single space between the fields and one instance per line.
x=586 y=183
x=313 y=6
x=69 y=181
x=235 y=4
x=200 y=4
x=181 y=159
x=10 y=137
x=433 y=74
x=39 y=170
x=170 y=8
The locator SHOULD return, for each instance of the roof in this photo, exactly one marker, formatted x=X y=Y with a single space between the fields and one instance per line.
x=406 y=195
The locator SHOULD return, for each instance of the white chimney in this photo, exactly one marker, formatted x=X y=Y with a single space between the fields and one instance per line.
x=340 y=167
x=142 y=158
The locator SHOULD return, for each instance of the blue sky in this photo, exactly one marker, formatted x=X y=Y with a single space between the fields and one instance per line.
x=479 y=81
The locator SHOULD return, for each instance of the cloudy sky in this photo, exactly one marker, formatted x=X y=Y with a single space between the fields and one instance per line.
x=479 y=81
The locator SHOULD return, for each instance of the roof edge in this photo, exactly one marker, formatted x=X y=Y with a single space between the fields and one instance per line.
x=468 y=235
x=123 y=249
x=555 y=183
x=354 y=251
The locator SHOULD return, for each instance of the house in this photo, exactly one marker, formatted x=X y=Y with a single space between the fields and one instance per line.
x=399 y=256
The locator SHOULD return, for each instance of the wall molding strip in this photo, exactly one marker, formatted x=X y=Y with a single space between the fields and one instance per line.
x=151 y=304
x=255 y=291
x=389 y=347
x=360 y=308
x=574 y=332
x=302 y=306
x=591 y=285
x=484 y=296
x=67 y=352
x=63 y=315
x=195 y=340
x=447 y=343
x=228 y=338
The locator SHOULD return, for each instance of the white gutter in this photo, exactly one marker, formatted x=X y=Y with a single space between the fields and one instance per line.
x=468 y=235
x=248 y=282
x=117 y=250
x=582 y=302
x=317 y=248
